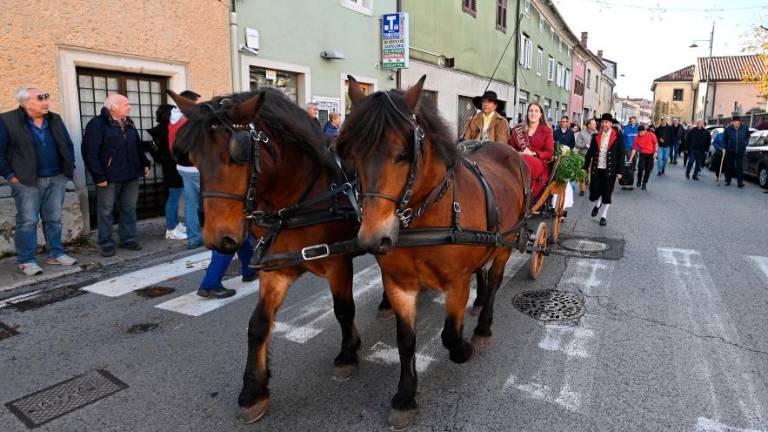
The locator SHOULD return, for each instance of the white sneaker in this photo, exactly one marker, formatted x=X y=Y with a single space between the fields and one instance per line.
x=64 y=260
x=175 y=234
x=181 y=228
x=30 y=269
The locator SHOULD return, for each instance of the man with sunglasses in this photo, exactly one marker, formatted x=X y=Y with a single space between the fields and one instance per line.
x=37 y=158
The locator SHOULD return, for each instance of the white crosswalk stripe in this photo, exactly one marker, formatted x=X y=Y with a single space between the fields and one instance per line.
x=761 y=264
x=128 y=282
x=515 y=262
x=193 y=305
x=695 y=303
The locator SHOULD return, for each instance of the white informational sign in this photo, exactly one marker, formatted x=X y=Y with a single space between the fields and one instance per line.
x=252 y=38
x=394 y=41
x=271 y=75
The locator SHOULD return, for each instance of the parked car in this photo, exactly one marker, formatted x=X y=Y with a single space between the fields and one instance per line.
x=715 y=131
x=756 y=163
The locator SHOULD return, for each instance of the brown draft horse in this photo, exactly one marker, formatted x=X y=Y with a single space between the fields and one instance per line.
x=380 y=135
x=292 y=165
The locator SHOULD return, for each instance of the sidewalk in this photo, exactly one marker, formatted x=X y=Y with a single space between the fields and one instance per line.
x=150 y=235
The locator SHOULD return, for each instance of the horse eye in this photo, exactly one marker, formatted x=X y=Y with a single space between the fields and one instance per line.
x=402 y=157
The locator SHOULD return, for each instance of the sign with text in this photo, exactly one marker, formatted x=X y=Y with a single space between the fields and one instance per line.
x=394 y=41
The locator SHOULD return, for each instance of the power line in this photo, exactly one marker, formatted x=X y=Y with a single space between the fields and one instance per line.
x=660 y=9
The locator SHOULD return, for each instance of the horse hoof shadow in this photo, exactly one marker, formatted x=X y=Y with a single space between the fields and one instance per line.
x=476 y=311
x=344 y=373
x=400 y=420
x=254 y=412
x=480 y=342
x=385 y=314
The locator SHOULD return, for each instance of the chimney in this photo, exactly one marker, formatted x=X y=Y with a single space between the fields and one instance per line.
x=600 y=54
x=584 y=36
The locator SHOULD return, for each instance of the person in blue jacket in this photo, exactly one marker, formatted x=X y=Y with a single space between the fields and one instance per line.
x=735 y=138
x=629 y=133
x=564 y=134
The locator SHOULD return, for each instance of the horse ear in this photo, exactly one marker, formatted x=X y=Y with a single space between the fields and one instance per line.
x=250 y=107
x=356 y=94
x=184 y=104
x=413 y=94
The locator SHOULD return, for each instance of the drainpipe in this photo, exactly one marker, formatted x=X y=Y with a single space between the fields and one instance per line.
x=398 y=73
x=517 y=63
x=234 y=49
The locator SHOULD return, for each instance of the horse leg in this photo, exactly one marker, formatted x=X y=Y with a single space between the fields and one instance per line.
x=254 y=396
x=404 y=402
x=344 y=309
x=481 y=275
x=385 y=308
x=481 y=337
x=456 y=296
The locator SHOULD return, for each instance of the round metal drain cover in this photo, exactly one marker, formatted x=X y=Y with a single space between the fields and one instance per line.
x=549 y=305
x=584 y=245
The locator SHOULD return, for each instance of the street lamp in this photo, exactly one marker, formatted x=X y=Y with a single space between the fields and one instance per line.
x=708 y=69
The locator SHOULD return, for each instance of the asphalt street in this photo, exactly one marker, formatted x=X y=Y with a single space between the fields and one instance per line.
x=673 y=338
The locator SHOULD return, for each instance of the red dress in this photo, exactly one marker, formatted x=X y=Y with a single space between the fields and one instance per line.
x=542 y=142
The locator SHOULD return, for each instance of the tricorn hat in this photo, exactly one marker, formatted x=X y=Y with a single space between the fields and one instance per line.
x=490 y=95
x=609 y=117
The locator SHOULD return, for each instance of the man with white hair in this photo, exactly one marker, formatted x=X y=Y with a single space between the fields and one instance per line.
x=313 y=111
x=113 y=155
x=37 y=158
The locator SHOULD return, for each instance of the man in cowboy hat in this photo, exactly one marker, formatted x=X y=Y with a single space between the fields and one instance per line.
x=488 y=124
x=604 y=162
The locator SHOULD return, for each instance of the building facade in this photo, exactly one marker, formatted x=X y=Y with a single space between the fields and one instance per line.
x=607 y=83
x=730 y=92
x=578 y=85
x=673 y=95
x=139 y=51
x=593 y=70
x=309 y=60
x=458 y=46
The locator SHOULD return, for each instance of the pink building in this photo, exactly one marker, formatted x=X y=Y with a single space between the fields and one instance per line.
x=576 y=102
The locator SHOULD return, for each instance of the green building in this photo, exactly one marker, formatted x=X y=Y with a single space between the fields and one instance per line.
x=307 y=48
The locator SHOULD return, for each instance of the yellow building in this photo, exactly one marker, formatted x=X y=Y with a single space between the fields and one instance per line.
x=81 y=50
x=673 y=95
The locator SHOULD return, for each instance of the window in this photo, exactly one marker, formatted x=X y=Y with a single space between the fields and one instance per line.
x=365 y=7
x=465 y=112
x=501 y=15
x=541 y=23
x=589 y=77
x=526 y=51
x=527 y=7
x=552 y=32
x=559 y=44
x=559 y=81
x=677 y=94
x=548 y=108
x=597 y=83
x=539 y=61
x=568 y=80
x=578 y=87
x=551 y=69
x=469 y=6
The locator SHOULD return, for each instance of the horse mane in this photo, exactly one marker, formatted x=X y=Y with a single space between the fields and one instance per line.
x=284 y=122
x=366 y=127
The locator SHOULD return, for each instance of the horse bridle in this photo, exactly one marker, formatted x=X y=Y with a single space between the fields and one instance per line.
x=244 y=144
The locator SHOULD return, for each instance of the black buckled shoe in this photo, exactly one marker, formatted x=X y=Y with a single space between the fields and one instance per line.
x=594 y=211
x=603 y=222
x=216 y=293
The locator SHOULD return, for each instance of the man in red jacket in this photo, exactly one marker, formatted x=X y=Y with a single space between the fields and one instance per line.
x=647 y=145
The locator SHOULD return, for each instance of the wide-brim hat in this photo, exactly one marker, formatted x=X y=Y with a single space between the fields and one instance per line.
x=607 y=116
x=490 y=95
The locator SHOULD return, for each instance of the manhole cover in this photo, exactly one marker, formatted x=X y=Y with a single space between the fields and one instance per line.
x=142 y=327
x=155 y=291
x=549 y=305
x=53 y=402
x=6 y=332
x=584 y=245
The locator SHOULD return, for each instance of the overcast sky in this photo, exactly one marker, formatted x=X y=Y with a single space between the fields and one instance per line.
x=648 y=44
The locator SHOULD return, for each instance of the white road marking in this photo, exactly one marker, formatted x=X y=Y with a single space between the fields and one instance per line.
x=516 y=260
x=695 y=304
x=383 y=353
x=567 y=381
x=761 y=263
x=704 y=424
x=128 y=282
x=193 y=305
x=19 y=298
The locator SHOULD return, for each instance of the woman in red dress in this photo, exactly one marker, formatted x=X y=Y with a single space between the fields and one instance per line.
x=541 y=147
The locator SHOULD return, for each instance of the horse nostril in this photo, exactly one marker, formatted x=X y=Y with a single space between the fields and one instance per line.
x=385 y=244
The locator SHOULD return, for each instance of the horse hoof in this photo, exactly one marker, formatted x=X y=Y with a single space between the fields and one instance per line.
x=480 y=342
x=254 y=412
x=385 y=314
x=401 y=419
x=476 y=311
x=462 y=353
x=344 y=373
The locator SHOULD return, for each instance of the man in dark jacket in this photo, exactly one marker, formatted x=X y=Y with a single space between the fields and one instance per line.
x=604 y=162
x=735 y=138
x=113 y=155
x=697 y=140
x=664 y=135
x=677 y=133
x=37 y=158
x=564 y=134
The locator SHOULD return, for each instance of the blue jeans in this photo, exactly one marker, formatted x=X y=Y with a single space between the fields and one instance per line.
x=661 y=160
x=674 y=152
x=191 y=207
x=172 y=208
x=44 y=199
x=219 y=263
x=122 y=195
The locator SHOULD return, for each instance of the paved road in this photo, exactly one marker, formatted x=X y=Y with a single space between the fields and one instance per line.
x=673 y=339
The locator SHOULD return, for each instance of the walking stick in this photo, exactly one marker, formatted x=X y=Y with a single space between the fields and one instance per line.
x=720 y=171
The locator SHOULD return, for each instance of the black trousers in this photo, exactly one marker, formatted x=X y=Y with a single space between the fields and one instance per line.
x=695 y=160
x=644 y=168
x=601 y=186
x=734 y=167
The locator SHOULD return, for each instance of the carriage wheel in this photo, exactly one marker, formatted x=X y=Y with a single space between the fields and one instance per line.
x=537 y=256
